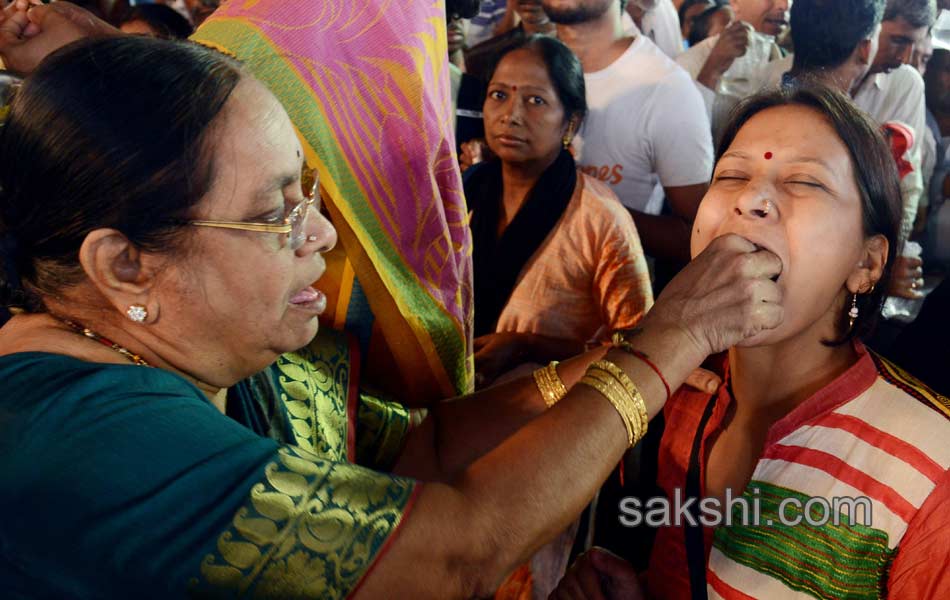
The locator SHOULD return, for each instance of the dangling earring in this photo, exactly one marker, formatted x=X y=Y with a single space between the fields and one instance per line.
x=566 y=140
x=853 y=313
x=137 y=313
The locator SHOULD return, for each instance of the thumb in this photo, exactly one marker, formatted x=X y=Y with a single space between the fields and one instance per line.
x=608 y=563
x=39 y=13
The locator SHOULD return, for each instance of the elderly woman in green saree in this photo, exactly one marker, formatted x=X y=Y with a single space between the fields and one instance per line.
x=170 y=423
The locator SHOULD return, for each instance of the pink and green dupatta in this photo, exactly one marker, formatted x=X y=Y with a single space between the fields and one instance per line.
x=366 y=84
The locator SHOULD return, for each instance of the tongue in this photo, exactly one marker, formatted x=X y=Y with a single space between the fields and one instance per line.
x=305 y=295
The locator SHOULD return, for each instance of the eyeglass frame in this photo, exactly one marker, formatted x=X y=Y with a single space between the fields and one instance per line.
x=298 y=213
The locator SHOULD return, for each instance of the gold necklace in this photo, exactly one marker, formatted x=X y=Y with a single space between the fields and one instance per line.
x=92 y=335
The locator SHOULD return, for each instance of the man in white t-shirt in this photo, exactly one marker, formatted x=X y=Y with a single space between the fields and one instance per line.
x=659 y=21
x=646 y=133
x=893 y=90
x=713 y=58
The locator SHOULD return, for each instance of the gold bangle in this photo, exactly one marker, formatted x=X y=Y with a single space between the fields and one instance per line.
x=633 y=406
x=624 y=402
x=549 y=384
x=635 y=395
x=605 y=391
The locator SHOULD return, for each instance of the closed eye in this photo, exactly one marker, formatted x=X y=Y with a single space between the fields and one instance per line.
x=808 y=183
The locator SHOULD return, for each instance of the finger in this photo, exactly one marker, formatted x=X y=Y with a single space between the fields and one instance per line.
x=912 y=261
x=704 y=381
x=571 y=589
x=764 y=290
x=764 y=317
x=621 y=573
x=588 y=580
x=11 y=29
x=761 y=264
x=482 y=341
x=731 y=243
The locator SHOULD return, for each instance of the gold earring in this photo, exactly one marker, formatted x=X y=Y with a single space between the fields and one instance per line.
x=566 y=140
x=853 y=313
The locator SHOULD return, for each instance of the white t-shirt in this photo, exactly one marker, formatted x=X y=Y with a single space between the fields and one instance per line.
x=719 y=104
x=662 y=25
x=899 y=96
x=646 y=125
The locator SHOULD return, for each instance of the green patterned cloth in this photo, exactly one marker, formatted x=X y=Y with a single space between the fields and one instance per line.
x=124 y=481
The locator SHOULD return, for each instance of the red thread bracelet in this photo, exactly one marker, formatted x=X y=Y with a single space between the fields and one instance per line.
x=650 y=364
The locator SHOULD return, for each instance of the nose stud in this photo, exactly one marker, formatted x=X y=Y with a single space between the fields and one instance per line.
x=311 y=238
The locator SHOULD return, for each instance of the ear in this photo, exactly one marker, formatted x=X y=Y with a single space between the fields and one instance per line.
x=863 y=52
x=869 y=270
x=122 y=273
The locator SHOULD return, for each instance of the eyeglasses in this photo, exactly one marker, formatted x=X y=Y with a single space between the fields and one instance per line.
x=293 y=225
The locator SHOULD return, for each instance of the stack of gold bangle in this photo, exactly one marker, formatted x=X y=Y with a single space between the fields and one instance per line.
x=610 y=380
x=549 y=384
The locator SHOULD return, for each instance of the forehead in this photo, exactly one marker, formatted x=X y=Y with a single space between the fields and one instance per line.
x=792 y=131
x=523 y=67
x=254 y=142
x=901 y=28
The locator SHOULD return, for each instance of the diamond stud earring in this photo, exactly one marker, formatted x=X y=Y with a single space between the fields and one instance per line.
x=137 y=313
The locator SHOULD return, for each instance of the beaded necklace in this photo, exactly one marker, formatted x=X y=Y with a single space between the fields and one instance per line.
x=92 y=335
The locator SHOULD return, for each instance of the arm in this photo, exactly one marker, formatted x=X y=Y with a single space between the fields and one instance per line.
x=499 y=352
x=667 y=236
x=456 y=432
x=498 y=510
x=732 y=44
x=509 y=21
x=921 y=568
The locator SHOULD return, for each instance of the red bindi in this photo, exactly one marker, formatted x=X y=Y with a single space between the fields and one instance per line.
x=514 y=88
x=768 y=156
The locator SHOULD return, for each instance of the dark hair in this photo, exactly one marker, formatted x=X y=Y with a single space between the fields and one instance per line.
x=688 y=4
x=564 y=69
x=826 y=32
x=935 y=92
x=465 y=9
x=919 y=13
x=106 y=133
x=165 y=21
x=701 y=23
x=875 y=174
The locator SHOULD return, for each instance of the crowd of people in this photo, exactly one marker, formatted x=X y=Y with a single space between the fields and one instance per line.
x=514 y=299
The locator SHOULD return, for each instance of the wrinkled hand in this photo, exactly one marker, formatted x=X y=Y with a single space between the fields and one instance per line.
x=723 y=296
x=908 y=278
x=732 y=44
x=473 y=152
x=30 y=31
x=599 y=575
x=498 y=353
